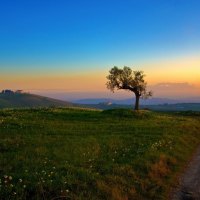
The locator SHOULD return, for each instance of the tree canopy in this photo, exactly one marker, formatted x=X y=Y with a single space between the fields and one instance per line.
x=130 y=80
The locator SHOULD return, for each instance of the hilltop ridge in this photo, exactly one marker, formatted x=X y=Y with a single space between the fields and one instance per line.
x=22 y=100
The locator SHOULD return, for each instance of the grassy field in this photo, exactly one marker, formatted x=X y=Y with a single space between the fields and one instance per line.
x=90 y=154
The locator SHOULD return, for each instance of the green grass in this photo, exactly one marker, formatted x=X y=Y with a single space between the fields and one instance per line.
x=88 y=154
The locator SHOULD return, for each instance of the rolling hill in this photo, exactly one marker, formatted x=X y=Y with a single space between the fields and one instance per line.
x=161 y=107
x=130 y=101
x=24 y=100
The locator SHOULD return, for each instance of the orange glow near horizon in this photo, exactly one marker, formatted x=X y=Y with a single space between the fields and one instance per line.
x=173 y=71
x=89 y=82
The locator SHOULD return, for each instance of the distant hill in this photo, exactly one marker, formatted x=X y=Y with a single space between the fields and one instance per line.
x=23 y=100
x=130 y=101
x=160 y=107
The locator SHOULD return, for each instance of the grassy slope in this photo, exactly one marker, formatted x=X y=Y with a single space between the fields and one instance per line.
x=82 y=154
x=29 y=100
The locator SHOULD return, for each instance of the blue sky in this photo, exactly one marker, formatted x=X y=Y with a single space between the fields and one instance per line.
x=63 y=36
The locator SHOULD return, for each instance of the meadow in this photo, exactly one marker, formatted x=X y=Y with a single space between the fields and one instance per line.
x=67 y=153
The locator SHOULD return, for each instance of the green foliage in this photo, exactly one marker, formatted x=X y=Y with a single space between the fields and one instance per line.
x=88 y=154
x=126 y=79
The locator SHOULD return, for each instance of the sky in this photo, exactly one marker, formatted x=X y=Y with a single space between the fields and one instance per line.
x=59 y=47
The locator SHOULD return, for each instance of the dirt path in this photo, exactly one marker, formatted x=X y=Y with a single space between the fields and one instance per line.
x=189 y=187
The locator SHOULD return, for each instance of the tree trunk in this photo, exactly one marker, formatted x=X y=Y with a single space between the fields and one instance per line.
x=137 y=99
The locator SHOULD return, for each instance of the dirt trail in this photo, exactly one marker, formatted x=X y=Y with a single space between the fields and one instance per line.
x=189 y=187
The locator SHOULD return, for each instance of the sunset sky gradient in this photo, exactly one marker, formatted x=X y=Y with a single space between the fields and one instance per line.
x=51 y=47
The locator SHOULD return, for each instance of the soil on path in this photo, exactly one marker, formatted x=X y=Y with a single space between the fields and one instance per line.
x=189 y=184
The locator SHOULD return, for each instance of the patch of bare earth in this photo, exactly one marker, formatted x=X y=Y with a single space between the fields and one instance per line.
x=189 y=183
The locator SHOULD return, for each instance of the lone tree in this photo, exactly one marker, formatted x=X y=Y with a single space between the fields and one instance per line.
x=127 y=79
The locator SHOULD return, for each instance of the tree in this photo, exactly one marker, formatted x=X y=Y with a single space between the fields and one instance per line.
x=127 y=79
